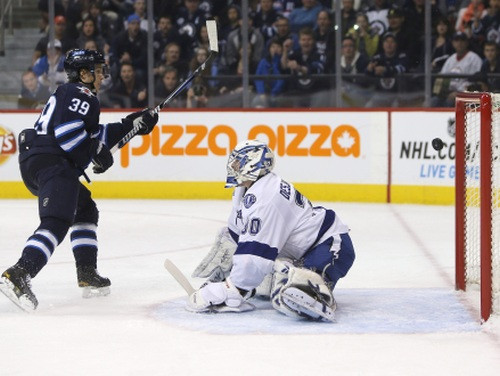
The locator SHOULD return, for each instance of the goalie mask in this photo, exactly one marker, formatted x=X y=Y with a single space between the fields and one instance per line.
x=248 y=161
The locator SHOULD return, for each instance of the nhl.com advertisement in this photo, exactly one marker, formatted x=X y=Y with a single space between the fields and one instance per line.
x=414 y=160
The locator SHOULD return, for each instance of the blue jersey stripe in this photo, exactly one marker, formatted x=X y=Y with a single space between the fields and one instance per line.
x=327 y=223
x=103 y=134
x=257 y=249
x=233 y=235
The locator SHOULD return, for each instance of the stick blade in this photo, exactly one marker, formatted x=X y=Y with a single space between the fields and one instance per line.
x=212 y=35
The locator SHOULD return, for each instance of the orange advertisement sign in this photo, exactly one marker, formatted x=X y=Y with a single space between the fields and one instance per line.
x=295 y=140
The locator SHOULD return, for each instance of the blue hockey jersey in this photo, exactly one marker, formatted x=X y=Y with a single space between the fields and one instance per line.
x=69 y=125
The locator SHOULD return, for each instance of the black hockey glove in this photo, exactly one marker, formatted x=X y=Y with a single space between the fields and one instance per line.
x=102 y=159
x=146 y=120
x=138 y=114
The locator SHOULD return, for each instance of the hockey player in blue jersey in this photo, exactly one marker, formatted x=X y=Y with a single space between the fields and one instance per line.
x=65 y=140
x=275 y=242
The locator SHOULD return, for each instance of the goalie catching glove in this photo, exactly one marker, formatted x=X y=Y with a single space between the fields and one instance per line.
x=145 y=120
x=220 y=297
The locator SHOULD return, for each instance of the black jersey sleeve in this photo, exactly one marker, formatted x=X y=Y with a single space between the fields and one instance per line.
x=112 y=133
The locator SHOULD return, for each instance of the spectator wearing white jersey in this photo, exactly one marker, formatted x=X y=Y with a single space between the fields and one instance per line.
x=275 y=240
x=377 y=16
x=462 y=62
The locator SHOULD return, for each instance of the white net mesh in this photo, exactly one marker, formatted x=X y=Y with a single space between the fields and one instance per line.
x=472 y=219
x=472 y=197
x=495 y=223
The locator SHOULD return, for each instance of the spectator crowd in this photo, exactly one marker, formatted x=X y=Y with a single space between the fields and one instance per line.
x=291 y=51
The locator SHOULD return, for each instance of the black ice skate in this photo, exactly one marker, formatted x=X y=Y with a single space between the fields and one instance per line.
x=91 y=282
x=16 y=285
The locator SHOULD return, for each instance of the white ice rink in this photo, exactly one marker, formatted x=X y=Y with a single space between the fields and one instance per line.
x=398 y=313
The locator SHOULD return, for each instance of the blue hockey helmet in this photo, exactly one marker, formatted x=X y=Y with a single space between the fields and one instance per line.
x=78 y=59
x=249 y=160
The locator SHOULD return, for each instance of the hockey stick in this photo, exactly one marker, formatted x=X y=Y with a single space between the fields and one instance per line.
x=179 y=276
x=182 y=280
x=214 y=49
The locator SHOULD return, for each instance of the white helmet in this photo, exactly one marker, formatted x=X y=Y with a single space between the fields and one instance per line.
x=248 y=161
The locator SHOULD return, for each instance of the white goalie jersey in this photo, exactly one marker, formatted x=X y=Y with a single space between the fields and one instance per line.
x=272 y=218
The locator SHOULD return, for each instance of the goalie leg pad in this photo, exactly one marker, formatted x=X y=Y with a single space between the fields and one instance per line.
x=307 y=306
x=264 y=289
x=217 y=264
x=301 y=293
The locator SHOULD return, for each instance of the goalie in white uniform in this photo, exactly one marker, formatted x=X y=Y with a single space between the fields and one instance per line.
x=274 y=235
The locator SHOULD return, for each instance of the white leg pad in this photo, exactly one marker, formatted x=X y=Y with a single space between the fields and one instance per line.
x=307 y=306
x=217 y=264
x=301 y=293
x=264 y=289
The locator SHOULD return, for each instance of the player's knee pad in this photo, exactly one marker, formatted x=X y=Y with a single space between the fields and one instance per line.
x=87 y=213
x=56 y=226
x=301 y=293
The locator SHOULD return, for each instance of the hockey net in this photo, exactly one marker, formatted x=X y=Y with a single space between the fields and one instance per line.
x=477 y=189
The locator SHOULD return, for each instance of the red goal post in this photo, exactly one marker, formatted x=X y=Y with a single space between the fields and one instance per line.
x=477 y=197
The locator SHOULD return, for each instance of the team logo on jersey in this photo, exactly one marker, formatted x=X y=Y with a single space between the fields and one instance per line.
x=8 y=145
x=249 y=200
x=85 y=90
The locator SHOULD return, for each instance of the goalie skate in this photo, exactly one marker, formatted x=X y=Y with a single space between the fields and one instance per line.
x=15 y=285
x=306 y=306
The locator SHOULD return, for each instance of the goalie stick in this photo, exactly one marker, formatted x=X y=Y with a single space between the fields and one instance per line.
x=182 y=280
x=214 y=49
x=179 y=276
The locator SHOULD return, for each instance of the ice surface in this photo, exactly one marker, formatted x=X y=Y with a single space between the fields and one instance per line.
x=398 y=313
